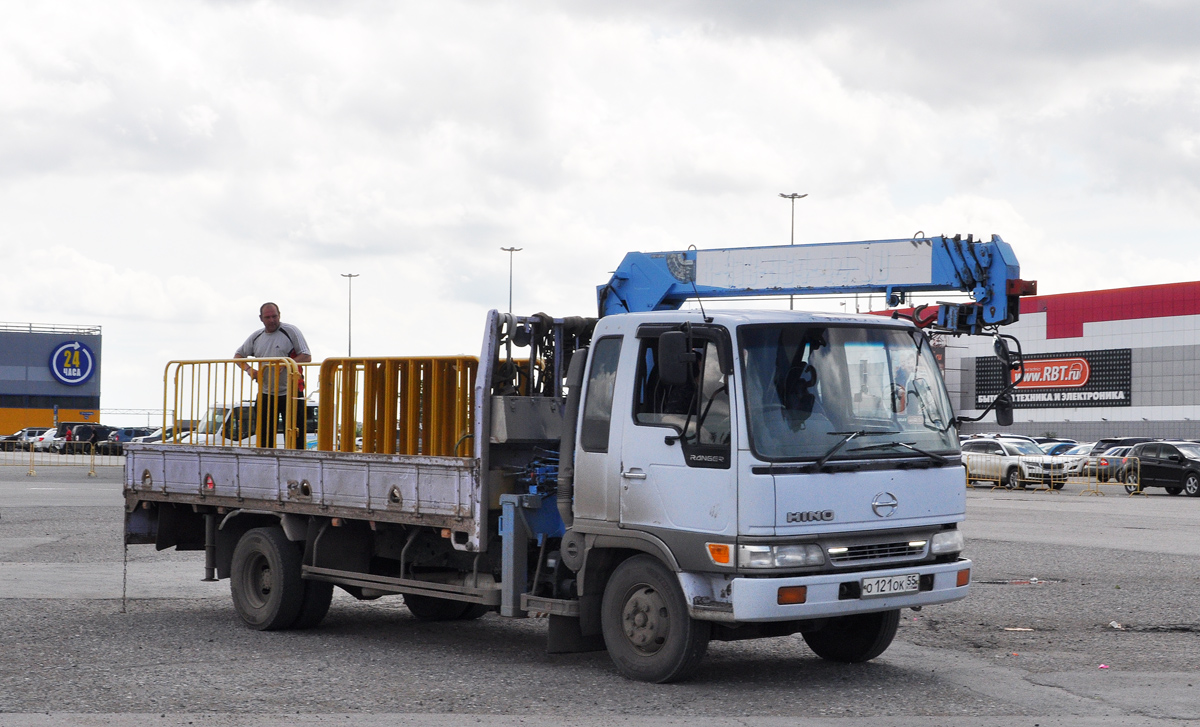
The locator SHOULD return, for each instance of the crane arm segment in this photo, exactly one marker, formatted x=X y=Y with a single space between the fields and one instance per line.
x=987 y=270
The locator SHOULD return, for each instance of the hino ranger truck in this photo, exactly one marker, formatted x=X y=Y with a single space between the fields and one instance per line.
x=650 y=479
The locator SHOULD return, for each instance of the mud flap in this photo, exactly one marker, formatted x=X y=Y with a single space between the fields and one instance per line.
x=565 y=637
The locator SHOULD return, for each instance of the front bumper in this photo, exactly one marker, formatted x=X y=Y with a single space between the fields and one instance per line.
x=732 y=599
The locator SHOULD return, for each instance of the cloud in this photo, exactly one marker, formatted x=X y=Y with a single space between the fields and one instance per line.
x=167 y=167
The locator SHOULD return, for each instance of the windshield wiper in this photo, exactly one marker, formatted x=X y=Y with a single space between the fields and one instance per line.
x=846 y=437
x=907 y=445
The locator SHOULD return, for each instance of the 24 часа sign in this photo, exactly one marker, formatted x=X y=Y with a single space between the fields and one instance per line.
x=1060 y=380
x=72 y=363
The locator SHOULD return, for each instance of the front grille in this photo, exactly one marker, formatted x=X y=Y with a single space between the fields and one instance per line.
x=857 y=554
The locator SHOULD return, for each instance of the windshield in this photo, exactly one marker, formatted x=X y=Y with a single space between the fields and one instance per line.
x=1024 y=447
x=1191 y=451
x=808 y=385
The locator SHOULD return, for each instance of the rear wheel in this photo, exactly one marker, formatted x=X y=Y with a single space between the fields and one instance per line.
x=1131 y=482
x=1174 y=490
x=1191 y=484
x=647 y=630
x=853 y=639
x=264 y=579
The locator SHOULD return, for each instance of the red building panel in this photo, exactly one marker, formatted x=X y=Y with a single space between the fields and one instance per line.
x=1067 y=312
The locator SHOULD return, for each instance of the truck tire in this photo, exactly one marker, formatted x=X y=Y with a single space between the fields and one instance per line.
x=317 y=597
x=647 y=630
x=430 y=608
x=264 y=578
x=854 y=639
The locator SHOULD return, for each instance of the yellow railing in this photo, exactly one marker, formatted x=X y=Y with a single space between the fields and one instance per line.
x=406 y=405
x=224 y=401
x=1035 y=473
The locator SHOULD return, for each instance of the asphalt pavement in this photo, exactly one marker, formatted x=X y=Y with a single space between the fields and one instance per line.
x=1081 y=613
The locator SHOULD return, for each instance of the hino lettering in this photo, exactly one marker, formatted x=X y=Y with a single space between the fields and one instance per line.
x=811 y=516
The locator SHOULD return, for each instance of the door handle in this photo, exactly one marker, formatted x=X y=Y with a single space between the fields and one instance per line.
x=634 y=475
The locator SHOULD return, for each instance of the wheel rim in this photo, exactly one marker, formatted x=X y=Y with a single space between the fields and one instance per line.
x=645 y=620
x=1191 y=484
x=259 y=581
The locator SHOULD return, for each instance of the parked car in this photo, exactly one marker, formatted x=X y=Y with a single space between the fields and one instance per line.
x=1103 y=445
x=21 y=440
x=1113 y=464
x=1076 y=459
x=1053 y=440
x=994 y=435
x=1012 y=462
x=85 y=438
x=51 y=439
x=118 y=438
x=1173 y=465
x=1053 y=448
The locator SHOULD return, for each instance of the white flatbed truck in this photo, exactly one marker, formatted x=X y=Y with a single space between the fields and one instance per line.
x=718 y=476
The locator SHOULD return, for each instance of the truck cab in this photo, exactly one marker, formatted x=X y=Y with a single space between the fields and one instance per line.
x=790 y=467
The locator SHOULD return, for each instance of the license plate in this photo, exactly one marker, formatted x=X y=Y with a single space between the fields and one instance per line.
x=890 y=585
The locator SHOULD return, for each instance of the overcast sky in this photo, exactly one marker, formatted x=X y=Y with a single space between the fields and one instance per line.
x=165 y=167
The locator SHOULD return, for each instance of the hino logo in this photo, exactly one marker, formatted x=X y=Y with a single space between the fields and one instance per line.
x=813 y=516
x=884 y=504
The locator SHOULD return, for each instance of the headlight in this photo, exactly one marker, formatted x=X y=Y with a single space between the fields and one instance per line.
x=946 y=541
x=780 y=556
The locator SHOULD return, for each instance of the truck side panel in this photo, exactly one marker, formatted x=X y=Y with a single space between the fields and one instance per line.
x=437 y=491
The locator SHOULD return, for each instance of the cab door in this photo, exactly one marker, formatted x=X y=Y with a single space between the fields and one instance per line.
x=677 y=454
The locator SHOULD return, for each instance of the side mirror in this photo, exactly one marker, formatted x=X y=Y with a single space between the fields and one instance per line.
x=675 y=358
x=1011 y=361
x=1004 y=411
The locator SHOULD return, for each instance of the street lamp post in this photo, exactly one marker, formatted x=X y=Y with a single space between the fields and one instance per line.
x=793 y=196
x=510 y=251
x=349 y=310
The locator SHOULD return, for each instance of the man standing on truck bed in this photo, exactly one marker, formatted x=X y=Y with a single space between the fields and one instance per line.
x=274 y=339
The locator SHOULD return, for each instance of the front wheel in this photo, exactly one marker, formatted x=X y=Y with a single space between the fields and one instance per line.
x=854 y=639
x=264 y=578
x=647 y=630
x=1191 y=484
x=1012 y=481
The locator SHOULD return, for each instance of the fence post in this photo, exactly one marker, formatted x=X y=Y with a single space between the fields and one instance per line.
x=31 y=472
x=92 y=461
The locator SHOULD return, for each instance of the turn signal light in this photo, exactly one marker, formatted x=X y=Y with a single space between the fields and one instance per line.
x=792 y=595
x=719 y=552
x=964 y=577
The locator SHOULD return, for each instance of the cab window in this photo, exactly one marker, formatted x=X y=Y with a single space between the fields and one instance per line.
x=697 y=410
x=597 y=406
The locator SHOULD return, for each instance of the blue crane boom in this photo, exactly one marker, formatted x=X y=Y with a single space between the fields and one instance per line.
x=986 y=270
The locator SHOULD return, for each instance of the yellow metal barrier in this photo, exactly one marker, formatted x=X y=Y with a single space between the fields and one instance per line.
x=404 y=405
x=1119 y=472
x=1040 y=474
x=235 y=402
x=71 y=454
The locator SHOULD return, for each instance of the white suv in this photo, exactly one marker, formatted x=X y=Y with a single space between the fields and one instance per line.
x=1012 y=463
